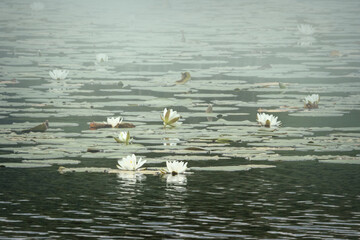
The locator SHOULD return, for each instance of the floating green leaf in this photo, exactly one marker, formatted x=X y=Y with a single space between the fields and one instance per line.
x=232 y=168
x=23 y=165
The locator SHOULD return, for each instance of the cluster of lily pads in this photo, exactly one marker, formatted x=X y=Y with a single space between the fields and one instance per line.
x=130 y=163
x=171 y=118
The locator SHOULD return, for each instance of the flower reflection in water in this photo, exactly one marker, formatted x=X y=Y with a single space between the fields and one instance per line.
x=178 y=179
x=176 y=183
x=131 y=177
x=100 y=68
x=101 y=62
x=306 y=41
x=170 y=141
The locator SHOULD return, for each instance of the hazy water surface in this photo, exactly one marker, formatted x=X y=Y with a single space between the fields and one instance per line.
x=304 y=181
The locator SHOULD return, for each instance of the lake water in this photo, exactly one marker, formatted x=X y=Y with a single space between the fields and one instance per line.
x=246 y=181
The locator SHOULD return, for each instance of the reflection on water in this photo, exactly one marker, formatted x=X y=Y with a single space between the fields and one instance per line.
x=171 y=141
x=291 y=201
x=306 y=41
x=178 y=179
x=131 y=177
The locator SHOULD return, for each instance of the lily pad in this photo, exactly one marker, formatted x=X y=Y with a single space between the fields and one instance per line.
x=339 y=161
x=186 y=158
x=105 y=170
x=23 y=165
x=232 y=168
x=53 y=161
x=278 y=157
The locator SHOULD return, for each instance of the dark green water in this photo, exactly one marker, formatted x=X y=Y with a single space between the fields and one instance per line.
x=297 y=200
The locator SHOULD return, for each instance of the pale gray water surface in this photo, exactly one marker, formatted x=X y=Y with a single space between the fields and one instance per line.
x=249 y=182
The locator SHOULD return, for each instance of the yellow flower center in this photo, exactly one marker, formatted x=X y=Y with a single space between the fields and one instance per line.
x=267 y=123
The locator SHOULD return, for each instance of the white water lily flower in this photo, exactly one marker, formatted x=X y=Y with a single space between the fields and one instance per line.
x=267 y=120
x=176 y=167
x=37 y=6
x=58 y=74
x=101 y=57
x=170 y=117
x=311 y=101
x=306 y=29
x=114 y=121
x=124 y=137
x=130 y=163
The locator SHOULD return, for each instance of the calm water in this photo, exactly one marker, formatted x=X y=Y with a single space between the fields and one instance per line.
x=294 y=200
x=237 y=52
